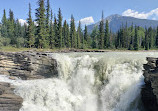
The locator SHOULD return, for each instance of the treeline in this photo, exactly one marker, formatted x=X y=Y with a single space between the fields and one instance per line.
x=50 y=31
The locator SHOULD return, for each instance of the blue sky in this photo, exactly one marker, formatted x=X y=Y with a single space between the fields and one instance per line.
x=88 y=11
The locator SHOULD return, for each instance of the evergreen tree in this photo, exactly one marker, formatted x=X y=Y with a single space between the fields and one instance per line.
x=151 y=37
x=41 y=30
x=136 y=45
x=146 y=40
x=85 y=37
x=94 y=36
x=117 y=40
x=68 y=41
x=60 y=29
x=47 y=24
x=73 y=33
x=47 y=16
x=4 y=25
x=55 y=28
x=65 y=38
x=107 y=35
x=17 y=29
x=101 y=33
x=122 y=37
x=157 y=38
x=11 y=23
x=79 y=31
x=51 y=33
x=30 y=31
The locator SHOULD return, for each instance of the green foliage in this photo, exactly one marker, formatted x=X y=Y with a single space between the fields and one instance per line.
x=101 y=33
x=107 y=35
x=30 y=31
x=94 y=36
x=157 y=38
x=79 y=35
x=49 y=33
x=136 y=45
x=41 y=27
x=59 y=29
x=55 y=28
x=66 y=39
x=73 y=33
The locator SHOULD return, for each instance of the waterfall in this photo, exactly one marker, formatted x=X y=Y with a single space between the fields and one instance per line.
x=87 y=82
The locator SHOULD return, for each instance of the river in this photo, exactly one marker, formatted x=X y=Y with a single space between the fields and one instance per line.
x=110 y=81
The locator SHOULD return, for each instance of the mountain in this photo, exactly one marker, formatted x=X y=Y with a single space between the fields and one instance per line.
x=116 y=21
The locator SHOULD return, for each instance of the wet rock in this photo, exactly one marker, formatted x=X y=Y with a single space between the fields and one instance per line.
x=28 y=65
x=150 y=90
x=8 y=100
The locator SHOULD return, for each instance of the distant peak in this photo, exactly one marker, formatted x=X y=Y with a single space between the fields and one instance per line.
x=111 y=17
x=114 y=15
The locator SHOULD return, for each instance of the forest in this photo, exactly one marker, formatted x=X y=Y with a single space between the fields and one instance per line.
x=51 y=31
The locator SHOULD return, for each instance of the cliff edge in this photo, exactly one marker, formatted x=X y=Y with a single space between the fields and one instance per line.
x=150 y=89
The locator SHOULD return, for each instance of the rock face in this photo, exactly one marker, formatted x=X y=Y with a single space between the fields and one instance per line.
x=8 y=100
x=24 y=65
x=28 y=65
x=150 y=90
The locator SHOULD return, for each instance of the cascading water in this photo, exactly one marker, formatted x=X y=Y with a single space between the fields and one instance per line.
x=109 y=81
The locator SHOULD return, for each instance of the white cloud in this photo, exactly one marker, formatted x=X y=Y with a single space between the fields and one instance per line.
x=141 y=15
x=154 y=18
x=87 y=20
x=22 y=21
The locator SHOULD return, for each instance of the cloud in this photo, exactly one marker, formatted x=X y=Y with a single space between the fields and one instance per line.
x=141 y=15
x=22 y=21
x=87 y=20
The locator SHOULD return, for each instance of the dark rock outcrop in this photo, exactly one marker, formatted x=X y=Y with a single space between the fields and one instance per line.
x=8 y=100
x=28 y=65
x=24 y=65
x=150 y=89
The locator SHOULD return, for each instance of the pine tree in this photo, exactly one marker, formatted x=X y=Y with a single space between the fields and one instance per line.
x=4 y=25
x=157 y=38
x=30 y=31
x=146 y=40
x=73 y=33
x=60 y=29
x=117 y=40
x=136 y=46
x=55 y=28
x=47 y=16
x=64 y=41
x=51 y=33
x=68 y=41
x=85 y=37
x=122 y=37
x=94 y=36
x=151 y=37
x=17 y=29
x=47 y=22
x=107 y=35
x=11 y=23
x=101 y=33
x=79 y=31
x=41 y=30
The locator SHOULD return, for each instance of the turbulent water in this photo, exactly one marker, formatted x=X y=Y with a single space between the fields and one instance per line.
x=109 y=81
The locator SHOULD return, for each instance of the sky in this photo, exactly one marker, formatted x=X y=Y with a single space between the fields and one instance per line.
x=87 y=11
